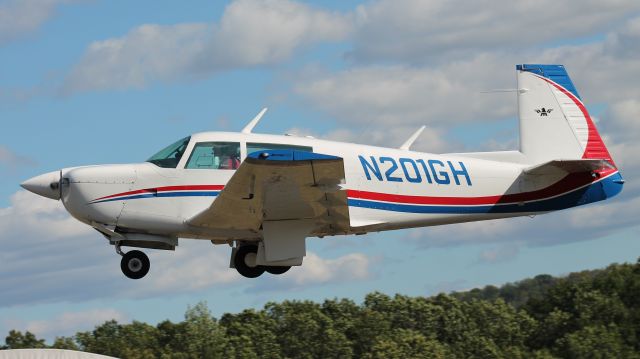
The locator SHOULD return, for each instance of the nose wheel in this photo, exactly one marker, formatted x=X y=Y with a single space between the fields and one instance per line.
x=135 y=264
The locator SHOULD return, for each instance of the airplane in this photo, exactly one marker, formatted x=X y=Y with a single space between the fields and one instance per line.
x=263 y=195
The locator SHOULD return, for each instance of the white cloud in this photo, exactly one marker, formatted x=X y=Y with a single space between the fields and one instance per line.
x=625 y=154
x=430 y=140
x=194 y=266
x=268 y=31
x=13 y=160
x=316 y=270
x=571 y=225
x=402 y=95
x=415 y=31
x=624 y=115
x=48 y=256
x=501 y=253
x=19 y=17
x=32 y=215
x=250 y=33
x=68 y=323
x=149 y=52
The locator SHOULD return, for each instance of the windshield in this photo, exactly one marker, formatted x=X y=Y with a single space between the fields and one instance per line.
x=169 y=156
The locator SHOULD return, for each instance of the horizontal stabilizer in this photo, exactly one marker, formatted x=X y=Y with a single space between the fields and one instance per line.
x=569 y=166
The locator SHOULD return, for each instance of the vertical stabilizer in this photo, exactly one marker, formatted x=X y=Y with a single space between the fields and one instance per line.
x=554 y=123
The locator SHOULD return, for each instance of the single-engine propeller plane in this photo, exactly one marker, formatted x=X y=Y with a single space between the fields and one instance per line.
x=265 y=194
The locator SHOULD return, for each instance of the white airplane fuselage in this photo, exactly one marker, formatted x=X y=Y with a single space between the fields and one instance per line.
x=387 y=189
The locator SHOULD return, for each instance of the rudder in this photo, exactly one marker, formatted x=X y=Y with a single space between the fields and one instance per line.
x=554 y=123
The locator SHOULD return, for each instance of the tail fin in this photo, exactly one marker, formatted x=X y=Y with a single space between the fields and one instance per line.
x=554 y=123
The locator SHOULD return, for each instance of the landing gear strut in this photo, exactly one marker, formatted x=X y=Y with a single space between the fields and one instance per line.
x=134 y=264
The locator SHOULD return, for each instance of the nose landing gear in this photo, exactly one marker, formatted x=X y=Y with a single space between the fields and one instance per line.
x=134 y=264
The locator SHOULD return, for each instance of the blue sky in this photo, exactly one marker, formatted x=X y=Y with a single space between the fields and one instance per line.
x=90 y=82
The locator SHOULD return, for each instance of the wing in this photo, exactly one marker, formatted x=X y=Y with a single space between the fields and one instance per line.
x=568 y=166
x=282 y=185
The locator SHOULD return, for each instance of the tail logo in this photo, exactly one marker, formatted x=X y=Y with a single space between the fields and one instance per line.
x=543 y=111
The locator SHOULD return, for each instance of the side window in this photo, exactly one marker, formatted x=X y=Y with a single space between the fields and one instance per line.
x=255 y=147
x=215 y=155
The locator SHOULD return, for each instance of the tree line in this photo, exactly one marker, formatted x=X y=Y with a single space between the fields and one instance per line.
x=589 y=314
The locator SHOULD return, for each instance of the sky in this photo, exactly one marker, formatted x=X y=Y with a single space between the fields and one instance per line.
x=95 y=82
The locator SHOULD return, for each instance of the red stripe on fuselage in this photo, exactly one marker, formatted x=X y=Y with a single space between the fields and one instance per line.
x=203 y=187
x=569 y=183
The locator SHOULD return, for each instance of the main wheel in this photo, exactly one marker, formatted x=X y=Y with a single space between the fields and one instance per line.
x=245 y=261
x=135 y=264
x=277 y=269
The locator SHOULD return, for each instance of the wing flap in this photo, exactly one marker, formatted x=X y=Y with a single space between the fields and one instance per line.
x=281 y=185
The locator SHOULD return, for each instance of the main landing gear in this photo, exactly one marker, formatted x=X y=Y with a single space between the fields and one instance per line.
x=134 y=264
x=245 y=262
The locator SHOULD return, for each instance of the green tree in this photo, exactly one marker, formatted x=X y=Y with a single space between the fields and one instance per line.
x=406 y=343
x=368 y=326
x=65 y=343
x=28 y=340
x=589 y=314
x=172 y=340
x=304 y=331
x=105 y=339
x=205 y=338
x=250 y=335
x=596 y=342
x=140 y=341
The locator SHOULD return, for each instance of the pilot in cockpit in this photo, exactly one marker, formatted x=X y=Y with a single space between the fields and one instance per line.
x=229 y=158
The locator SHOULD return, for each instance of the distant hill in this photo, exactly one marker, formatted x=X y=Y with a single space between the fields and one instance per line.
x=589 y=314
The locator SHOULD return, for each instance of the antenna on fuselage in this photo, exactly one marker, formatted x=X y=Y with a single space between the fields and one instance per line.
x=499 y=90
x=407 y=144
x=249 y=127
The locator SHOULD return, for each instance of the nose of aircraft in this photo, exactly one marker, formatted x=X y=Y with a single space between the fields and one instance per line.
x=46 y=185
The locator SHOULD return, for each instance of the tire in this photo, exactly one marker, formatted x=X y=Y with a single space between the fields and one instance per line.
x=277 y=269
x=244 y=253
x=135 y=264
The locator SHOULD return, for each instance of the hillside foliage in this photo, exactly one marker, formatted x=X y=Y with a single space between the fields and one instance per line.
x=590 y=314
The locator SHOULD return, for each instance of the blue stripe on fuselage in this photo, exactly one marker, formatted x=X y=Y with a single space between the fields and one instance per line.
x=597 y=191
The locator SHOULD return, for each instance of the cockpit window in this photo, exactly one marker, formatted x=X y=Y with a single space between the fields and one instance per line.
x=215 y=155
x=169 y=156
